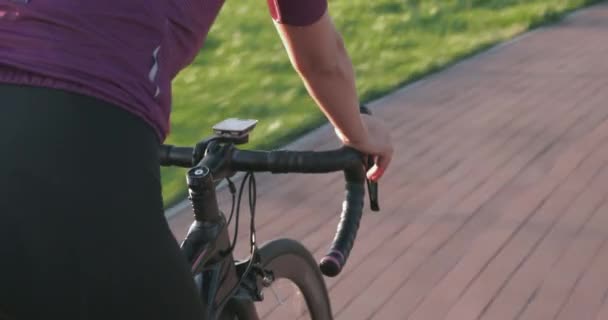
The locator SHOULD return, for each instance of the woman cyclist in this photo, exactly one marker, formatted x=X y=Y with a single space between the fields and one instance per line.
x=85 y=95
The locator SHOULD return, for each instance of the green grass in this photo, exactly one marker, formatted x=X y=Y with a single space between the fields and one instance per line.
x=244 y=72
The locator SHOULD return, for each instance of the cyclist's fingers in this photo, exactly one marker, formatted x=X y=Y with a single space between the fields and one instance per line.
x=377 y=171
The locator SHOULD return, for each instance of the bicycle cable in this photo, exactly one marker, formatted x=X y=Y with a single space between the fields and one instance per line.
x=236 y=204
x=232 y=188
x=250 y=179
x=238 y=210
x=252 y=204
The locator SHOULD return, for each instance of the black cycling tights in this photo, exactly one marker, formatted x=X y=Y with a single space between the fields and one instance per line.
x=82 y=231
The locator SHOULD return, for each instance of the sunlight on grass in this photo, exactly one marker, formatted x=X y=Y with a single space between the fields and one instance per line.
x=244 y=72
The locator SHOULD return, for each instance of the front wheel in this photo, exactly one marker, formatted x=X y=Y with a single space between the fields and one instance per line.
x=298 y=290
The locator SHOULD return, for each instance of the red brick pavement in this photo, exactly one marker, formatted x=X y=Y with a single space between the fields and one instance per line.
x=495 y=206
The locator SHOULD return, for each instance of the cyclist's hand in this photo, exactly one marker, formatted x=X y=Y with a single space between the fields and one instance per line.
x=378 y=144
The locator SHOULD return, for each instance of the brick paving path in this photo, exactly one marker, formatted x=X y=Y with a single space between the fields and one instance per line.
x=496 y=204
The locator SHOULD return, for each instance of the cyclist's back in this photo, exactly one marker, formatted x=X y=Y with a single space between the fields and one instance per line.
x=124 y=52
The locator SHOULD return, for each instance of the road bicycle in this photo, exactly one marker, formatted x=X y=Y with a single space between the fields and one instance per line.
x=229 y=288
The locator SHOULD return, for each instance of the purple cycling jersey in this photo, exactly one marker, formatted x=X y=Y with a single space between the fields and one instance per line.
x=126 y=52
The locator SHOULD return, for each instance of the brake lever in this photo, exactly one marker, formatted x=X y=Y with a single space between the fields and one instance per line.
x=372 y=189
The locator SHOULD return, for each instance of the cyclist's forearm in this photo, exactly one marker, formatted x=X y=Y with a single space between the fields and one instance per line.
x=318 y=54
x=335 y=93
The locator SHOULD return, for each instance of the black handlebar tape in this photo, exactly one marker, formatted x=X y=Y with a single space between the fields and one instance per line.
x=175 y=156
x=352 y=210
x=284 y=161
x=345 y=159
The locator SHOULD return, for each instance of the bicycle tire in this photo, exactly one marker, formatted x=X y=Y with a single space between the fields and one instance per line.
x=290 y=260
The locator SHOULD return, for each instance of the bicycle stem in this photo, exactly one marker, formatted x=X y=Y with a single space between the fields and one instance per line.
x=207 y=245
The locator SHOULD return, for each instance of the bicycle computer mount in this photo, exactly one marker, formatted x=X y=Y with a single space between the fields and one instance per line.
x=231 y=130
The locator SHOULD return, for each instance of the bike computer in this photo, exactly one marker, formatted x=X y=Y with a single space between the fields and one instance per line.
x=234 y=127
